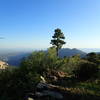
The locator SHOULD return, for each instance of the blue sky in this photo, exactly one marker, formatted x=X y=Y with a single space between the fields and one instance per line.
x=31 y=23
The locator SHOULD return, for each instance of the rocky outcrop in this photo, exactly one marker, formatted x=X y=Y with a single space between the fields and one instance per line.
x=45 y=90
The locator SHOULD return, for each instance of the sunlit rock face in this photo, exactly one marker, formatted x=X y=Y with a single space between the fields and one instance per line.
x=3 y=65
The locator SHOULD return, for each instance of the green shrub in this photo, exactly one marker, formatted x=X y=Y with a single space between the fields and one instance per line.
x=15 y=83
x=40 y=61
x=69 y=64
x=85 y=70
x=93 y=57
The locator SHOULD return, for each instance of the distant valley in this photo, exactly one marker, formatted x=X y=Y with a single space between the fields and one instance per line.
x=14 y=58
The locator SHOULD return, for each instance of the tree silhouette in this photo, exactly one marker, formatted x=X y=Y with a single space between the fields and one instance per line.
x=57 y=40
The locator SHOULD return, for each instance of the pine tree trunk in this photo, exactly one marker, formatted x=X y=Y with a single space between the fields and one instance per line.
x=57 y=52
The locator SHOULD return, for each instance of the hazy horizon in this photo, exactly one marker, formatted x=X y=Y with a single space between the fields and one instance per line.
x=87 y=50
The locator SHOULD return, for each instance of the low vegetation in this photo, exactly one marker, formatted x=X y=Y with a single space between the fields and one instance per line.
x=75 y=75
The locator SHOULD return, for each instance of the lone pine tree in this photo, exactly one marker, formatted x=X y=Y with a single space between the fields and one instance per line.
x=58 y=39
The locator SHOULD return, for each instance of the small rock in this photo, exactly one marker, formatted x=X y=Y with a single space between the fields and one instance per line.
x=30 y=98
x=42 y=85
x=43 y=79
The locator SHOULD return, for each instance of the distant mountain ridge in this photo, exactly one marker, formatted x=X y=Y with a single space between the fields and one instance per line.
x=67 y=52
x=98 y=52
x=14 y=58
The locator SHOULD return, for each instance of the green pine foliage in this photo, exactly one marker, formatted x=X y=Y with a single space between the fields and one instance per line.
x=58 y=39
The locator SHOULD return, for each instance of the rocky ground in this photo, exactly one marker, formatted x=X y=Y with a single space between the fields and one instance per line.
x=48 y=91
